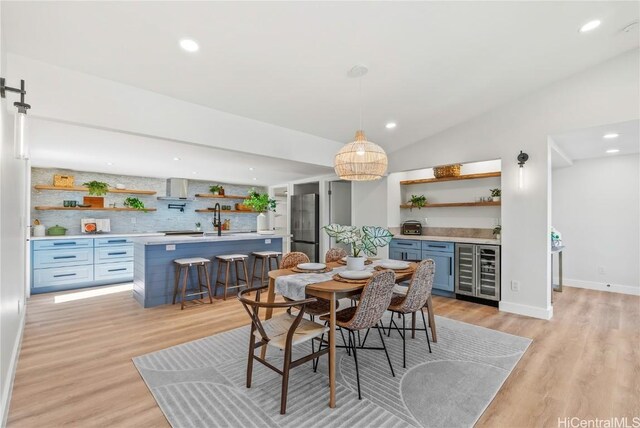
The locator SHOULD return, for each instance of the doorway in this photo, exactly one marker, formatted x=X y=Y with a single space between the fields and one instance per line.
x=339 y=208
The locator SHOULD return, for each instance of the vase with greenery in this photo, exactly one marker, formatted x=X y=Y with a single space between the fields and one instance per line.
x=134 y=203
x=217 y=189
x=417 y=201
x=198 y=227
x=365 y=240
x=495 y=194
x=260 y=202
x=497 y=231
x=97 y=188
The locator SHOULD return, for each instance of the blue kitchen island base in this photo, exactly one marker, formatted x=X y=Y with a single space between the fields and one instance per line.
x=154 y=270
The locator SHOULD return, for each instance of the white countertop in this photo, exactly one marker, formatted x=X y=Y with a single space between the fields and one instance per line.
x=462 y=240
x=182 y=239
x=96 y=235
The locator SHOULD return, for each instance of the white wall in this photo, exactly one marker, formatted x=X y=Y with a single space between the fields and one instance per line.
x=596 y=207
x=13 y=220
x=369 y=202
x=606 y=93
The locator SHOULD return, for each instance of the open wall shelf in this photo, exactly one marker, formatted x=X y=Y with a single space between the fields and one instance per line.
x=212 y=196
x=456 y=204
x=227 y=211
x=84 y=189
x=46 y=208
x=460 y=177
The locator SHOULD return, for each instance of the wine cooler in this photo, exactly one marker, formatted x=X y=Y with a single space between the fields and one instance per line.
x=478 y=271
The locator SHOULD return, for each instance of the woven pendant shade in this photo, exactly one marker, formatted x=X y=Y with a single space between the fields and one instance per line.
x=361 y=160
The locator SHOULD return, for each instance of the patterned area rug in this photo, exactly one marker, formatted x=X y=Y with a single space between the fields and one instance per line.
x=202 y=383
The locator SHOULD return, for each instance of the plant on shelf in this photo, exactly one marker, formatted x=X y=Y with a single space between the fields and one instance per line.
x=495 y=194
x=417 y=201
x=198 y=226
x=134 y=203
x=97 y=188
x=260 y=202
x=217 y=189
x=497 y=231
x=366 y=240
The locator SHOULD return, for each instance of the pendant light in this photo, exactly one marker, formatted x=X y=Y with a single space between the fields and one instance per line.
x=360 y=160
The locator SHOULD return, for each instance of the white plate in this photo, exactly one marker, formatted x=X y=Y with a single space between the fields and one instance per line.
x=311 y=266
x=392 y=264
x=344 y=259
x=356 y=274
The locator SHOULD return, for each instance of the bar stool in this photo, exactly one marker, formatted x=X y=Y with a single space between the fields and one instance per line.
x=265 y=258
x=183 y=265
x=227 y=260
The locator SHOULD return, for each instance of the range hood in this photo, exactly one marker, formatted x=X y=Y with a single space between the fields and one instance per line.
x=176 y=190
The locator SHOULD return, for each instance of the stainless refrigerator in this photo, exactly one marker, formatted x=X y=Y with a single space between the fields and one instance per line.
x=305 y=225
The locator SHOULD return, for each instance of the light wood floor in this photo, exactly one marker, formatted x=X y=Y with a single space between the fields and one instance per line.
x=75 y=366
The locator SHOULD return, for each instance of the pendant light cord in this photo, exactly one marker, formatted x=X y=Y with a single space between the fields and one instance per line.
x=360 y=99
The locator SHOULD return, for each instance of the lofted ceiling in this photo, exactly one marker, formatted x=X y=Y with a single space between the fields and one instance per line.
x=590 y=142
x=61 y=145
x=431 y=65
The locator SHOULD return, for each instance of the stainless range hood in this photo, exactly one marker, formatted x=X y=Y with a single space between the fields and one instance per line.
x=177 y=190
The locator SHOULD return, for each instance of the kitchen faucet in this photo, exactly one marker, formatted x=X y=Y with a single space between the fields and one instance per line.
x=218 y=223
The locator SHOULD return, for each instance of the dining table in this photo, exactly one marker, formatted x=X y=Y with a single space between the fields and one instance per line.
x=333 y=290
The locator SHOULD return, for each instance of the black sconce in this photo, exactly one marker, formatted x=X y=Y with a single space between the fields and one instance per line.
x=20 y=147
x=522 y=158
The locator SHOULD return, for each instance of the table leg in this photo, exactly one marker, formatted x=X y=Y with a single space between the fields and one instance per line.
x=271 y=297
x=432 y=320
x=332 y=352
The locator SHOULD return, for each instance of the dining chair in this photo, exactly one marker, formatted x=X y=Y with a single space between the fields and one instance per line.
x=334 y=255
x=293 y=259
x=374 y=300
x=413 y=301
x=283 y=331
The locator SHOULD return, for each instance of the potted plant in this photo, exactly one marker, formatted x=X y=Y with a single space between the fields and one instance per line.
x=260 y=202
x=97 y=188
x=134 y=203
x=495 y=194
x=417 y=201
x=497 y=231
x=198 y=227
x=363 y=240
x=217 y=189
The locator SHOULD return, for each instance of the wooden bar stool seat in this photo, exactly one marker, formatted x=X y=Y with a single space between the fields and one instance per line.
x=266 y=258
x=202 y=269
x=227 y=260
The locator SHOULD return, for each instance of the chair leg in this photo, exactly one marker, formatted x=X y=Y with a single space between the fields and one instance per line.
x=404 y=345
x=365 y=338
x=352 y=341
x=226 y=280
x=413 y=325
x=345 y=342
x=184 y=286
x=206 y=276
x=285 y=381
x=218 y=280
x=176 y=284
x=390 y=321
x=425 y=331
x=385 y=349
x=246 y=274
x=252 y=347
x=253 y=270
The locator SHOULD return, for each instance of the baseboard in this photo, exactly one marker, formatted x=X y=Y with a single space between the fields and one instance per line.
x=8 y=381
x=600 y=286
x=526 y=310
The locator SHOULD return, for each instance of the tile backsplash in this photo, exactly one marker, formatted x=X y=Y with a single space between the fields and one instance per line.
x=133 y=221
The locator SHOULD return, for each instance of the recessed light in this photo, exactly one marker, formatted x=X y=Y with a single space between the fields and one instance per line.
x=254 y=179
x=109 y=163
x=611 y=151
x=250 y=169
x=194 y=173
x=610 y=136
x=390 y=125
x=189 y=45
x=591 y=25
x=176 y=159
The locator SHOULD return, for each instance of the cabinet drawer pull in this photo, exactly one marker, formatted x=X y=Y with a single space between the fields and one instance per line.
x=64 y=243
x=437 y=246
x=119 y=253
x=64 y=274
x=114 y=241
x=403 y=243
x=117 y=270
x=63 y=257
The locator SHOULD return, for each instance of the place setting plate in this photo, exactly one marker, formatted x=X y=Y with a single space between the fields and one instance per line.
x=353 y=276
x=343 y=261
x=311 y=268
x=394 y=265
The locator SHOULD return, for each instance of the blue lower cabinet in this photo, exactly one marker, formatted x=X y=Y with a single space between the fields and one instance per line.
x=405 y=249
x=443 y=278
x=118 y=272
x=61 y=277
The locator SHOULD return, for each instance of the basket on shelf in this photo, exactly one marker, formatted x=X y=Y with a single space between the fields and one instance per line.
x=63 y=180
x=243 y=207
x=445 y=171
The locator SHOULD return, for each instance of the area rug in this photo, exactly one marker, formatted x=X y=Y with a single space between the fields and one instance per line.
x=202 y=383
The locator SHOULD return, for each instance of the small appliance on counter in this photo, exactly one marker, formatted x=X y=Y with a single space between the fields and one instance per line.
x=411 y=227
x=95 y=225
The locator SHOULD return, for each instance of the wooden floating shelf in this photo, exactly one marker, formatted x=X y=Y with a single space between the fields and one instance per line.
x=227 y=211
x=209 y=195
x=460 y=177
x=456 y=204
x=45 y=208
x=84 y=189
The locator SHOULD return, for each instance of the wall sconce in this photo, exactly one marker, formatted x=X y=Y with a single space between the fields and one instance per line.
x=20 y=143
x=522 y=158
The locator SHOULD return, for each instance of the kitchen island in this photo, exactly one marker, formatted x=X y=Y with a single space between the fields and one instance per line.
x=154 y=269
